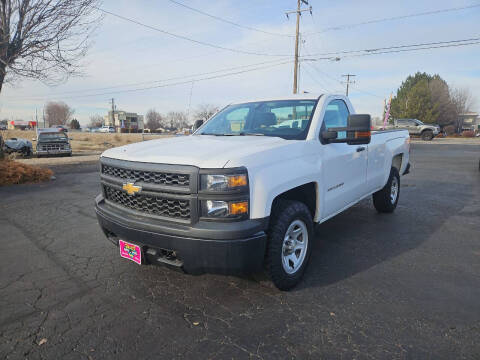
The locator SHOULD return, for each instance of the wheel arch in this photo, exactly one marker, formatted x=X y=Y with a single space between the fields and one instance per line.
x=397 y=161
x=306 y=193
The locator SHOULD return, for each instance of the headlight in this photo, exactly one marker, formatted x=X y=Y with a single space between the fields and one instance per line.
x=225 y=209
x=223 y=182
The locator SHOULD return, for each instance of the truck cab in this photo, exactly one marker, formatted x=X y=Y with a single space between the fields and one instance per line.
x=243 y=192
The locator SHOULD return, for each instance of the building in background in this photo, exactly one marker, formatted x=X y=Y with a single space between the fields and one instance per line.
x=471 y=121
x=124 y=121
x=21 y=124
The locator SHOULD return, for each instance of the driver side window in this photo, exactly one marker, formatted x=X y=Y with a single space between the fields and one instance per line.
x=336 y=115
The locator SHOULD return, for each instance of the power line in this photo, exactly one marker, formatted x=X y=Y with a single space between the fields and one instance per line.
x=416 y=49
x=229 y=21
x=187 y=38
x=425 y=45
x=322 y=87
x=368 y=22
x=176 y=83
x=162 y=80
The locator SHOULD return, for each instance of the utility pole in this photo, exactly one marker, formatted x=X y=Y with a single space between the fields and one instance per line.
x=113 y=115
x=348 y=76
x=297 y=34
x=113 y=112
x=44 y=116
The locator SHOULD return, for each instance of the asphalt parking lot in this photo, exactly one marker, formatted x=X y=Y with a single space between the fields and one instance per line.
x=405 y=285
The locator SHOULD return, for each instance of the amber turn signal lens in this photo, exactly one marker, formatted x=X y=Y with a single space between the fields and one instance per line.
x=362 y=134
x=237 y=180
x=239 y=208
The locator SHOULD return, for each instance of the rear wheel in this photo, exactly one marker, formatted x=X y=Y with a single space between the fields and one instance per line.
x=427 y=135
x=385 y=200
x=289 y=243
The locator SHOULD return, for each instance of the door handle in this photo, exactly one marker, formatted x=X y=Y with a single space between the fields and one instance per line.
x=360 y=148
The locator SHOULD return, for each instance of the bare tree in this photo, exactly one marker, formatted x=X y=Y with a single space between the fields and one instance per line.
x=177 y=119
x=205 y=111
x=154 y=119
x=58 y=113
x=44 y=39
x=463 y=102
x=96 y=121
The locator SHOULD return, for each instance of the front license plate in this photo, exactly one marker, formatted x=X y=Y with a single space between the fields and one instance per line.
x=130 y=251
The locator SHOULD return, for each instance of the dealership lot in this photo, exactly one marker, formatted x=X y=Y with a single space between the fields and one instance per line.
x=405 y=285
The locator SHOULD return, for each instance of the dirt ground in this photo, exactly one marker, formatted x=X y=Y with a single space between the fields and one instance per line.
x=81 y=141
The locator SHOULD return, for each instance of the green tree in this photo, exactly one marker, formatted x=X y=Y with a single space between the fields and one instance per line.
x=74 y=124
x=424 y=97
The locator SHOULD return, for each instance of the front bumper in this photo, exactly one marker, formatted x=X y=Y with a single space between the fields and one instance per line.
x=53 y=152
x=205 y=247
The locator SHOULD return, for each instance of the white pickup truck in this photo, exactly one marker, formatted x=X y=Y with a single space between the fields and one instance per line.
x=242 y=194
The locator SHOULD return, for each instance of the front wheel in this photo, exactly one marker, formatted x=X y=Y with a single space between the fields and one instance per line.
x=427 y=135
x=289 y=246
x=385 y=200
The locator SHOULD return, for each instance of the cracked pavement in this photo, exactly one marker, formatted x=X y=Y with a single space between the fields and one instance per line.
x=401 y=286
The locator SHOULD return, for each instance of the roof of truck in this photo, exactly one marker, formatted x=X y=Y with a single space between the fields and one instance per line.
x=304 y=96
x=50 y=130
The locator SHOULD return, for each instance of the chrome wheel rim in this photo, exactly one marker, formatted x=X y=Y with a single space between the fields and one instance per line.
x=294 y=247
x=394 y=190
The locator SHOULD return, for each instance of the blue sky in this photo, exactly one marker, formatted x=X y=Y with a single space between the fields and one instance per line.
x=125 y=53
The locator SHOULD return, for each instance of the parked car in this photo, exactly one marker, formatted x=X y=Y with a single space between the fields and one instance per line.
x=53 y=141
x=107 y=129
x=417 y=128
x=3 y=127
x=244 y=191
x=62 y=128
x=19 y=146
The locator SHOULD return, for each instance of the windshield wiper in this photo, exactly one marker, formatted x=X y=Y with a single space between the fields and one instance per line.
x=252 y=134
x=217 y=134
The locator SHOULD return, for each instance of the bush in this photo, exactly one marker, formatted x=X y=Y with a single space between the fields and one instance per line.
x=13 y=172
x=449 y=129
x=468 y=133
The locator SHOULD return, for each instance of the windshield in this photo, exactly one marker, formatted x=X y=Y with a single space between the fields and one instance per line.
x=288 y=119
x=60 y=136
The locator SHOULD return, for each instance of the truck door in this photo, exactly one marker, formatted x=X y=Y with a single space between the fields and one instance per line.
x=344 y=167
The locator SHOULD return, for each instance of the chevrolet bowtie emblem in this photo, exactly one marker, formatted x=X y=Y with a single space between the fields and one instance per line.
x=131 y=188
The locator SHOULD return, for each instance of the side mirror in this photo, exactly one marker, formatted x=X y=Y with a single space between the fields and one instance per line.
x=197 y=124
x=358 y=131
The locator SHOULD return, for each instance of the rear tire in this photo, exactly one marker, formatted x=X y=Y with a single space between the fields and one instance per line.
x=427 y=135
x=290 y=238
x=385 y=200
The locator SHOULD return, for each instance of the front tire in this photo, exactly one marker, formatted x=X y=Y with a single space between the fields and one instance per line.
x=290 y=239
x=385 y=200
x=427 y=135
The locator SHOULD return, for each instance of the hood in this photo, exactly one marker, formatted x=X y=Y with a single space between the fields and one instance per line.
x=204 y=151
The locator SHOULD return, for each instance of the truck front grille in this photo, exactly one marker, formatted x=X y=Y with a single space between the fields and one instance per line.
x=151 y=177
x=154 y=205
x=52 y=147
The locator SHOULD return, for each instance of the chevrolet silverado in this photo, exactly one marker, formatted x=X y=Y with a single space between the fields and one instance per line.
x=243 y=192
